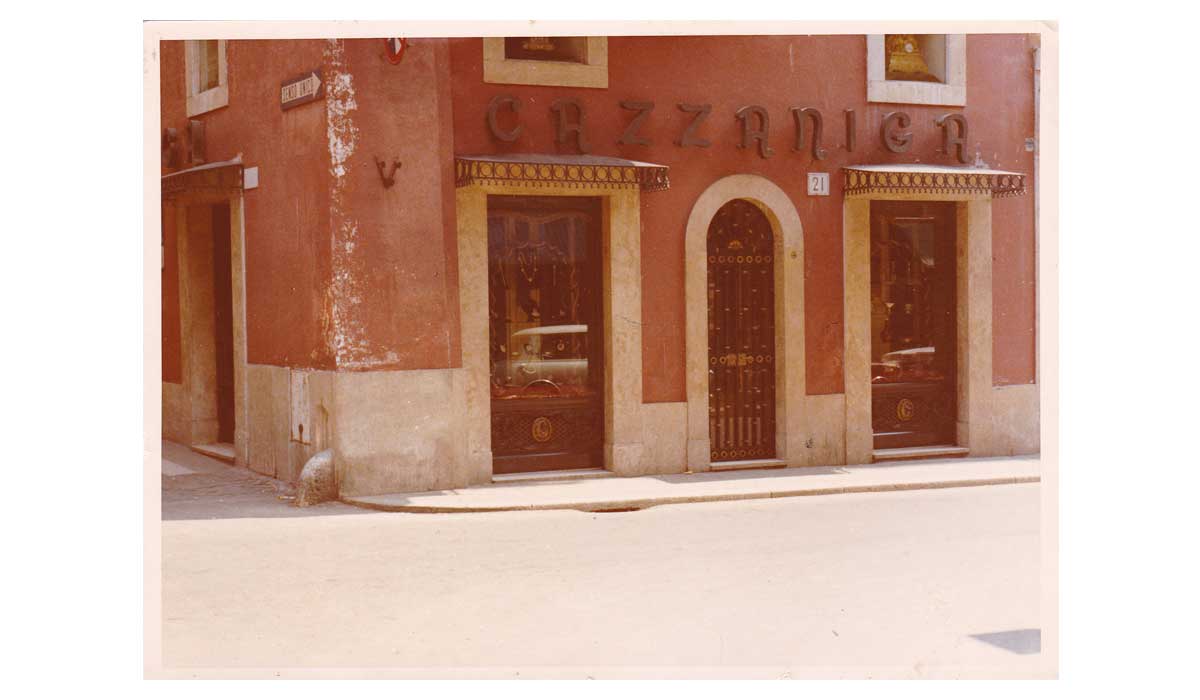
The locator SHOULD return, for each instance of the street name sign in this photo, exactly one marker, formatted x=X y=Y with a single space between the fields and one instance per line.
x=301 y=90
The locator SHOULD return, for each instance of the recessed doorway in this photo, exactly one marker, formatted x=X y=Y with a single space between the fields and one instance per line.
x=207 y=258
x=546 y=333
x=914 y=363
x=222 y=276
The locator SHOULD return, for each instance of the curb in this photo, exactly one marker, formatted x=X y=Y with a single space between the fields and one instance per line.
x=643 y=503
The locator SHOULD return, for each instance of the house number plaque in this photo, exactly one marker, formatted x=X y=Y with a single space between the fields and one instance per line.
x=818 y=184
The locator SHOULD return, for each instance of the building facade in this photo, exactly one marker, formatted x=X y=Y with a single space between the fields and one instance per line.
x=447 y=259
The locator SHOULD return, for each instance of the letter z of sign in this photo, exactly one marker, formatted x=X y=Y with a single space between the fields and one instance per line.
x=631 y=132
x=689 y=138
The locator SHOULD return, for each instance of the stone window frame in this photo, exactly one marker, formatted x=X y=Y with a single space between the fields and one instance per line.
x=512 y=71
x=953 y=92
x=625 y=451
x=976 y=420
x=201 y=101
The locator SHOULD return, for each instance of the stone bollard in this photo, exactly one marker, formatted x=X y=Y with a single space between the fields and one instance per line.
x=317 y=480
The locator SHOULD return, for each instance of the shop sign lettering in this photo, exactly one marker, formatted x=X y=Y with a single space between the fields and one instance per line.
x=808 y=127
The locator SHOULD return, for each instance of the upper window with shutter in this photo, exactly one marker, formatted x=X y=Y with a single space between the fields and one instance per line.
x=207 y=76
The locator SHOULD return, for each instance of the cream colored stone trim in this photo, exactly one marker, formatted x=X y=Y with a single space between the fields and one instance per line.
x=856 y=281
x=974 y=260
x=791 y=419
x=399 y=431
x=510 y=71
x=241 y=426
x=1016 y=420
x=953 y=92
x=664 y=434
x=200 y=102
x=471 y=209
x=268 y=412
x=176 y=416
x=975 y=323
x=195 y=322
x=310 y=394
x=623 y=438
x=623 y=324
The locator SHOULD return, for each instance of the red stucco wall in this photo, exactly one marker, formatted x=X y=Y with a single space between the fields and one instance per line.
x=340 y=272
x=402 y=258
x=1000 y=69
x=287 y=216
x=396 y=264
x=826 y=72
x=172 y=369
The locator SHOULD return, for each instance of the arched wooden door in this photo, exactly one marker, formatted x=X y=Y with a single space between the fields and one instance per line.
x=741 y=334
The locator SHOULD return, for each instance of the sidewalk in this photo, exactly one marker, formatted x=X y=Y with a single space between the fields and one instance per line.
x=197 y=487
x=616 y=494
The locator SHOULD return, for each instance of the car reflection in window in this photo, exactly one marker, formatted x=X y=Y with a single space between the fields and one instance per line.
x=546 y=361
x=911 y=365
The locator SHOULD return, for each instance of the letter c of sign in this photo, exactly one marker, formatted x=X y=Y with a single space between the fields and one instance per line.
x=493 y=124
x=894 y=139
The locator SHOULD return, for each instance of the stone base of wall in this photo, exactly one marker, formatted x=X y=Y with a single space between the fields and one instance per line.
x=1007 y=423
x=403 y=431
x=176 y=414
x=287 y=418
x=822 y=439
x=267 y=409
x=1015 y=426
x=664 y=438
x=390 y=431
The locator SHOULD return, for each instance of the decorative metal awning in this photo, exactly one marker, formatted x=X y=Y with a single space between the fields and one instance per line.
x=208 y=181
x=541 y=169
x=917 y=178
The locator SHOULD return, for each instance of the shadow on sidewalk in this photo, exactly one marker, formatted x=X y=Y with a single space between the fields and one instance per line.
x=1023 y=641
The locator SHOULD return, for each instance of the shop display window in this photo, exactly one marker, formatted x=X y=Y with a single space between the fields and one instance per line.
x=565 y=61
x=569 y=49
x=917 y=69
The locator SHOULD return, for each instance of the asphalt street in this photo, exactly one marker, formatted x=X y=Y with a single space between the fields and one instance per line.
x=906 y=584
